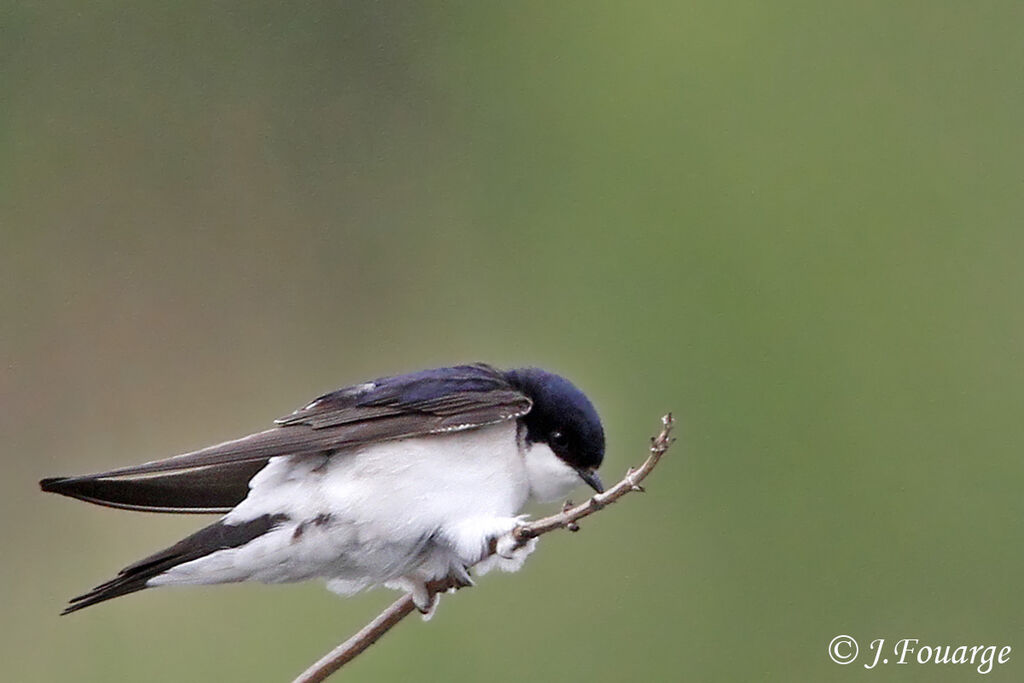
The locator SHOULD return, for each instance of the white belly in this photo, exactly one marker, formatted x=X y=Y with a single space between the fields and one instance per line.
x=374 y=514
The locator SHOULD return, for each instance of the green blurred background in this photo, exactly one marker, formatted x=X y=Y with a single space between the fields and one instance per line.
x=798 y=225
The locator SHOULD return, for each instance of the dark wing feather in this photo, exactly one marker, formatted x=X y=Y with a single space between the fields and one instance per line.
x=444 y=391
x=203 y=490
x=214 y=479
x=215 y=537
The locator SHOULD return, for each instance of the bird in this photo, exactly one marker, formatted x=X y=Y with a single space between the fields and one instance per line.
x=405 y=482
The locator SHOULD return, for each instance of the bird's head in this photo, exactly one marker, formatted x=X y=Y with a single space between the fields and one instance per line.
x=562 y=423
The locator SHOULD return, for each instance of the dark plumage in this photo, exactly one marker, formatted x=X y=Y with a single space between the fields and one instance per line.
x=562 y=416
x=215 y=479
x=215 y=537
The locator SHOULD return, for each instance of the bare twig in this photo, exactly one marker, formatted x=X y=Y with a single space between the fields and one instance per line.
x=367 y=636
x=569 y=515
x=566 y=519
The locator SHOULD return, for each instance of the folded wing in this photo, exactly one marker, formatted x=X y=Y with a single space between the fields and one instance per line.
x=216 y=478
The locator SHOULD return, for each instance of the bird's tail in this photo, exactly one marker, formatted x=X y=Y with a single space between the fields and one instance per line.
x=136 y=577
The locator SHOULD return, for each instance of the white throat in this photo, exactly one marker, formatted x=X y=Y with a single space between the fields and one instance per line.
x=550 y=477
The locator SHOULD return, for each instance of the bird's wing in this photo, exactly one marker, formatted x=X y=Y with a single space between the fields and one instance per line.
x=445 y=392
x=215 y=479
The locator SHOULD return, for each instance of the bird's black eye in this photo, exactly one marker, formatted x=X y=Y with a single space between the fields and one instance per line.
x=558 y=440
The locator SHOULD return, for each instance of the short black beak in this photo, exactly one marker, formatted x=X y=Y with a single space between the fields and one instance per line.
x=593 y=481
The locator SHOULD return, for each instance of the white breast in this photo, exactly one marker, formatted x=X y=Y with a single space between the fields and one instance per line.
x=375 y=513
x=549 y=476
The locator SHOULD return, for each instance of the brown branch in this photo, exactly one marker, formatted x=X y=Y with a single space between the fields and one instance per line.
x=631 y=482
x=367 y=636
x=566 y=519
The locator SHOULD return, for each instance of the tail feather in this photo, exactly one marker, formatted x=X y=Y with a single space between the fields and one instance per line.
x=135 y=577
x=210 y=489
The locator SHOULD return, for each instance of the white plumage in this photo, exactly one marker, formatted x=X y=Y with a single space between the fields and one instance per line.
x=397 y=513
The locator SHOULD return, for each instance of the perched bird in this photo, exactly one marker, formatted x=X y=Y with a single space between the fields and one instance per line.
x=400 y=481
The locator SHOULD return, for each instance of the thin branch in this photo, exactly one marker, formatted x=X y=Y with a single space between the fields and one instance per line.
x=570 y=515
x=566 y=519
x=367 y=636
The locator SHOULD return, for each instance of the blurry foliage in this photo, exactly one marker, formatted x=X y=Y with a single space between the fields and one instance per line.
x=797 y=225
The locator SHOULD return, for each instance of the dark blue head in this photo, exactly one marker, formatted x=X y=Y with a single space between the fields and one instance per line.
x=563 y=418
